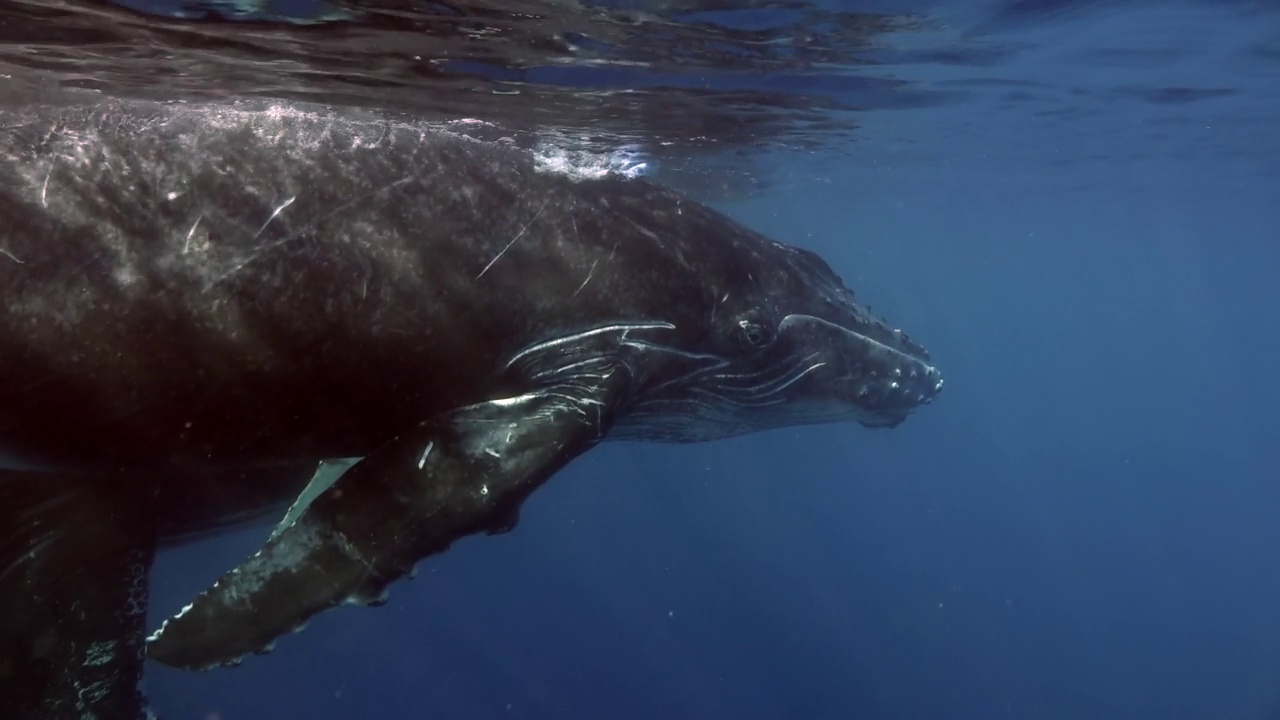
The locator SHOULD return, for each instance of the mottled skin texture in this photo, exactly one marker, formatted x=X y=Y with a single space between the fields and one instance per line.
x=206 y=301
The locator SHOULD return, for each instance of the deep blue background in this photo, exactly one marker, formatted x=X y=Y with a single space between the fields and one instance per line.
x=1083 y=526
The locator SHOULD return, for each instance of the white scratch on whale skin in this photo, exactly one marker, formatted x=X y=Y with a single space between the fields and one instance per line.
x=283 y=205
x=187 y=245
x=44 y=189
x=519 y=235
x=11 y=256
x=261 y=250
x=589 y=274
x=622 y=328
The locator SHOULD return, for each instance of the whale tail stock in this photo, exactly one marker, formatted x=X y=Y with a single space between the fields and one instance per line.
x=74 y=558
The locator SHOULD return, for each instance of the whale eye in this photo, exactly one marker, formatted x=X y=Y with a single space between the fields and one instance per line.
x=754 y=330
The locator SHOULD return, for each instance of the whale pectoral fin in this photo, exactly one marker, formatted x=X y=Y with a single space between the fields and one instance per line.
x=463 y=473
x=322 y=479
x=75 y=553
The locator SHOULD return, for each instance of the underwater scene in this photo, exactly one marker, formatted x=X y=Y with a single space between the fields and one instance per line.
x=630 y=359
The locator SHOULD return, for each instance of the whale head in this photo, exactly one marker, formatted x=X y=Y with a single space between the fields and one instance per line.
x=785 y=343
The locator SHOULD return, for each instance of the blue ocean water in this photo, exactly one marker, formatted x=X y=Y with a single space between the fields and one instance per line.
x=1075 y=206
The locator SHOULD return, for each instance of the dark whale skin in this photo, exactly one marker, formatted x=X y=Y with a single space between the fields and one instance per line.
x=130 y=339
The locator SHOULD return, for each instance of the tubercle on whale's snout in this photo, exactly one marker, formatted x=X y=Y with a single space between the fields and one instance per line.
x=879 y=370
x=895 y=392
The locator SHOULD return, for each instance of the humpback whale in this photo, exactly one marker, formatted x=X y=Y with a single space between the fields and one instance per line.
x=200 y=304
